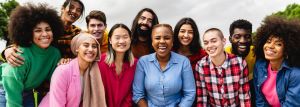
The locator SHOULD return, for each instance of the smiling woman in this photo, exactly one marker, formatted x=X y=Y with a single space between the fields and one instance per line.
x=33 y=28
x=163 y=78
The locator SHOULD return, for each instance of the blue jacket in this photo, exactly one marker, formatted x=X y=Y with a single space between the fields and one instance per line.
x=287 y=84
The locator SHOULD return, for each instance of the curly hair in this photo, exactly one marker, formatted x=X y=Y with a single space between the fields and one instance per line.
x=242 y=24
x=24 y=18
x=135 y=23
x=287 y=30
x=195 y=45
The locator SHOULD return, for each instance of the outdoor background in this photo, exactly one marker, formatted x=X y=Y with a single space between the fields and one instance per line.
x=206 y=13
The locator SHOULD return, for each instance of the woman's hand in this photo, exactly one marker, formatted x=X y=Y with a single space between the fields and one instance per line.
x=12 y=57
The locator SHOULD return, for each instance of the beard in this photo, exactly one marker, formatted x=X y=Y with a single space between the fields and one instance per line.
x=240 y=53
x=144 y=33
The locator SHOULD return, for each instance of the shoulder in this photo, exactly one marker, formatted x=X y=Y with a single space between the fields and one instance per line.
x=228 y=49
x=178 y=57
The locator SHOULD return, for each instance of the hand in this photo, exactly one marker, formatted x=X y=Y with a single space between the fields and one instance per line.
x=64 y=61
x=12 y=57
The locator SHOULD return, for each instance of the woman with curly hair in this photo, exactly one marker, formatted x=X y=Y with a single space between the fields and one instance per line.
x=33 y=28
x=71 y=11
x=277 y=69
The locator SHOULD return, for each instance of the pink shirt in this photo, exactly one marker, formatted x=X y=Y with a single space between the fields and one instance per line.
x=269 y=88
x=118 y=88
x=65 y=87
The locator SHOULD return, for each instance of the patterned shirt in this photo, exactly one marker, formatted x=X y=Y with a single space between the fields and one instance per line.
x=64 y=41
x=225 y=85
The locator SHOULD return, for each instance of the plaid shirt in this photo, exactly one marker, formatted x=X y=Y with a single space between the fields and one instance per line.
x=223 y=86
x=64 y=41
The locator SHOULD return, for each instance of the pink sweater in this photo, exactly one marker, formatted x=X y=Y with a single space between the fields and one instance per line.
x=65 y=88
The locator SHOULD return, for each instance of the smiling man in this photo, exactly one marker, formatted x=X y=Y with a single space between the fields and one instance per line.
x=96 y=25
x=241 y=45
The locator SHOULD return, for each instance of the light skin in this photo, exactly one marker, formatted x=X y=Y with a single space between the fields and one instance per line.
x=241 y=40
x=96 y=28
x=120 y=41
x=214 y=44
x=185 y=37
x=87 y=53
x=145 y=19
x=274 y=52
x=71 y=14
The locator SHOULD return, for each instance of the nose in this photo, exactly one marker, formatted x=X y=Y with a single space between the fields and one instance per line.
x=243 y=39
x=44 y=33
x=121 y=41
x=185 y=34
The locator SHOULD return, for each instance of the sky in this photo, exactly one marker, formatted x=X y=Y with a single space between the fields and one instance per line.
x=206 y=13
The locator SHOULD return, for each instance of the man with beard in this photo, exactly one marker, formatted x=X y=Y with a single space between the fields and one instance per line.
x=241 y=45
x=96 y=25
x=141 y=32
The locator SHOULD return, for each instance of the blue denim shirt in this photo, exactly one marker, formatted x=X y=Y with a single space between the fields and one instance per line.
x=175 y=86
x=287 y=84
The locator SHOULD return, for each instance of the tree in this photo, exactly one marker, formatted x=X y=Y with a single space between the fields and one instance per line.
x=291 y=11
x=5 y=10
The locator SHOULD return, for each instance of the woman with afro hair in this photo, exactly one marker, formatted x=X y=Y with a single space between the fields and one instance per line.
x=32 y=28
x=277 y=69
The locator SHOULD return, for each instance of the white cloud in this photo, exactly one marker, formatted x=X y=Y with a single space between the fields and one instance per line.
x=207 y=13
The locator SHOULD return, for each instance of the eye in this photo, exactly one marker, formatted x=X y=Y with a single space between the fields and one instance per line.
x=37 y=30
x=236 y=36
x=205 y=42
x=94 y=46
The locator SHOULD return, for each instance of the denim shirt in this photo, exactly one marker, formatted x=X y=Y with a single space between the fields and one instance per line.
x=287 y=84
x=173 y=87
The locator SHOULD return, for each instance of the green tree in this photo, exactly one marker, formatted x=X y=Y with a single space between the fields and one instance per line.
x=291 y=11
x=5 y=10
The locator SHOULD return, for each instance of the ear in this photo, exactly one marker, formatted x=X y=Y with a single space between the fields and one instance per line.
x=224 y=41
x=109 y=39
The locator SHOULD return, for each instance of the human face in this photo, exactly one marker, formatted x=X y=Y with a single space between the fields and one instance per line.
x=145 y=21
x=273 y=49
x=241 y=41
x=72 y=12
x=42 y=35
x=120 y=40
x=162 y=41
x=185 y=34
x=96 y=28
x=213 y=43
x=88 y=50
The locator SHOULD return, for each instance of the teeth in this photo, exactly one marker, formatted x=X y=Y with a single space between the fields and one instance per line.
x=242 y=46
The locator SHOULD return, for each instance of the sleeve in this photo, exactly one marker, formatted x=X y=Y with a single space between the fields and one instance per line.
x=244 y=90
x=292 y=96
x=138 y=86
x=259 y=98
x=12 y=79
x=202 y=99
x=58 y=88
x=189 y=88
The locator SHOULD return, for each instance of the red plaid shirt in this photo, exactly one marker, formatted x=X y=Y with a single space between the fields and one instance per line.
x=226 y=85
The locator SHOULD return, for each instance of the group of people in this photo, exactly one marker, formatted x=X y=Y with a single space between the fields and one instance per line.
x=150 y=64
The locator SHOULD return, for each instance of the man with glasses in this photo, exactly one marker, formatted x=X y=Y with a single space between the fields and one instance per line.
x=241 y=45
x=141 y=32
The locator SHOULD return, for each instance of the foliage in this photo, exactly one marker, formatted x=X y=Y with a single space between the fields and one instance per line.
x=291 y=11
x=5 y=10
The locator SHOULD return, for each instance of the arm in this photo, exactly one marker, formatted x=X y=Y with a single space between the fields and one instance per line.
x=292 y=96
x=138 y=86
x=244 y=90
x=259 y=98
x=12 y=79
x=58 y=88
x=10 y=54
x=189 y=88
x=202 y=96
